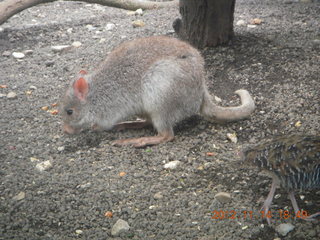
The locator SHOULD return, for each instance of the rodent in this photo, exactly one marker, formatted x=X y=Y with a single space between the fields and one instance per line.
x=160 y=79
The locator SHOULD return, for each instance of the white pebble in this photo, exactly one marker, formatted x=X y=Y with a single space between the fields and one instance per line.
x=43 y=166
x=18 y=55
x=241 y=23
x=60 y=149
x=217 y=99
x=20 y=196
x=232 y=137
x=110 y=26
x=60 y=48
x=79 y=232
x=172 y=165
x=284 y=228
x=11 y=95
x=33 y=87
x=223 y=197
x=251 y=26
x=119 y=227
x=139 y=11
x=76 y=44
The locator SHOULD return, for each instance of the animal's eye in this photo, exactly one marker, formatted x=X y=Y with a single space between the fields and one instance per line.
x=69 y=111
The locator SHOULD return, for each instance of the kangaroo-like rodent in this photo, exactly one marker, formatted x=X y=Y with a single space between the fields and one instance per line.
x=159 y=79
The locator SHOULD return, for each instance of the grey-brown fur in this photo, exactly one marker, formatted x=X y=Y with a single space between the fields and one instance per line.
x=160 y=79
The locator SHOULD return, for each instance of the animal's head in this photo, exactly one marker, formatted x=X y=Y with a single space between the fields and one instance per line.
x=74 y=108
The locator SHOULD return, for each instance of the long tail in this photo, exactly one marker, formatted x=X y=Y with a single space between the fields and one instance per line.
x=227 y=114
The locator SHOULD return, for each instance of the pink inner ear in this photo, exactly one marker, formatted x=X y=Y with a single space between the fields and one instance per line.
x=81 y=88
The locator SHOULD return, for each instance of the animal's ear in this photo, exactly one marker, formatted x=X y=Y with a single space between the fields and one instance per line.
x=81 y=89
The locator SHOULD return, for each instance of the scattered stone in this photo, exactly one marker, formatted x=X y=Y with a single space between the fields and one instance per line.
x=131 y=13
x=76 y=44
x=11 y=95
x=138 y=23
x=217 y=99
x=79 y=232
x=1 y=29
x=240 y=23
x=60 y=48
x=139 y=12
x=60 y=149
x=110 y=26
x=232 y=137
x=172 y=165
x=28 y=52
x=119 y=227
x=251 y=26
x=18 y=55
x=256 y=21
x=20 y=196
x=284 y=228
x=158 y=196
x=43 y=166
x=69 y=30
x=6 y=53
x=2 y=95
x=33 y=87
x=33 y=159
x=223 y=197
x=90 y=27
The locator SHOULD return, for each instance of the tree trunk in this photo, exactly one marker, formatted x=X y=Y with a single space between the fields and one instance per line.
x=205 y=23
x=8 y=8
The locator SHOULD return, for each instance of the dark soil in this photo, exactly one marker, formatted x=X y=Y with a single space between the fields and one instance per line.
x=277 y=61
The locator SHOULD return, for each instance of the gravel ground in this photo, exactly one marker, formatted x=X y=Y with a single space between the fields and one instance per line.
x=277 y=61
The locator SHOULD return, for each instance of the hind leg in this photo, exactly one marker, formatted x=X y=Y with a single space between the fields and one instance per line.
x=162 y=137
x=163 y=127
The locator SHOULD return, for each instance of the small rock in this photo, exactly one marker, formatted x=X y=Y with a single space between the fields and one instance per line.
x=119 y=227
x=33 y=87
x=284 y=228
x=33 y=159
x=60 y=48
x=172 y=165
x=240 y=23
x=43 y=166
x=6 y=53
x=11 y=95
x=18 y=55
x=158 y=196
x=217 y=99
x=79 y=232
x=232 y=137
x=110 y=26
x=90 y=27
x=60 y=149
x=20 y=196
x=1 y=29
x=256 y=21
x=28 y=52
x=223 y=197
x=2 y=95
x=130 y=13
x=138 y=23
x=76 y=44
x=251 y=26
x=139 y=12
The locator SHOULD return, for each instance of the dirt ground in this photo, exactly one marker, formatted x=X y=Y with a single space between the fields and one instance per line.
x=277 y=61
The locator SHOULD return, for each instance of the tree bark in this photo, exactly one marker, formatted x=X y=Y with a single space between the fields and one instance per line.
x=8 y=8
x=205 y=23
